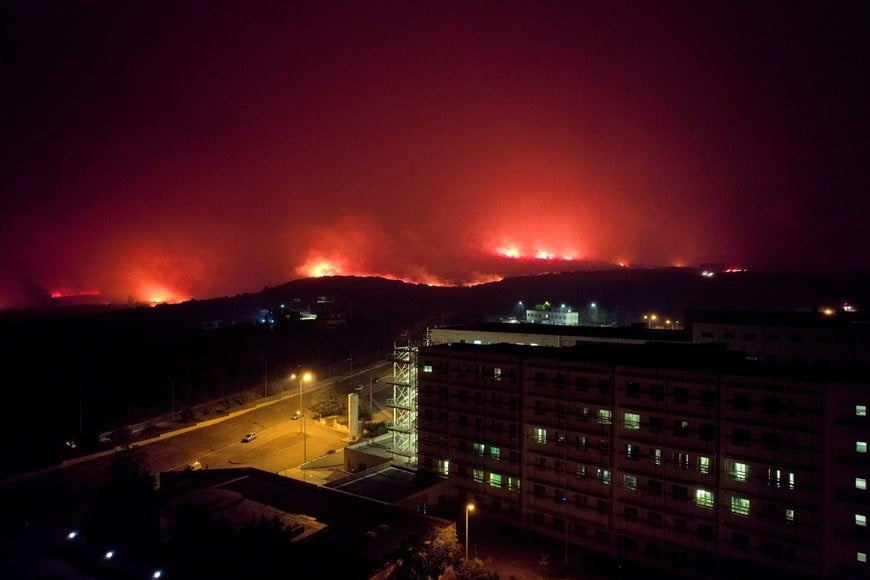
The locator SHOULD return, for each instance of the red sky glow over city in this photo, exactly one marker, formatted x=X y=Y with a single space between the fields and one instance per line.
x=163 y=151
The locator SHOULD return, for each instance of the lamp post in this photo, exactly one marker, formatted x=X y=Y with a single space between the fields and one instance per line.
x=304 y=377
x=265 y=377
x=469 y=507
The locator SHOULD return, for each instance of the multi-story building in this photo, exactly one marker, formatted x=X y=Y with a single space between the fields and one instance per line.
x=686 y=457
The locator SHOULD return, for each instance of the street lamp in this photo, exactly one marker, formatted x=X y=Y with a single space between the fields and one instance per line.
x=265 y=377
x=303 y=378
x=469 y=507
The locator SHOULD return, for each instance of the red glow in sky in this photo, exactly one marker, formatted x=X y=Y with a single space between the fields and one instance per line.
x=161 y=151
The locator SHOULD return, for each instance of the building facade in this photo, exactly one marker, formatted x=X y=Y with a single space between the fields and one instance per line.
x=684 y=457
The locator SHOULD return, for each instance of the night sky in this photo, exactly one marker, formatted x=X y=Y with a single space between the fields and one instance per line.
x=168 y=150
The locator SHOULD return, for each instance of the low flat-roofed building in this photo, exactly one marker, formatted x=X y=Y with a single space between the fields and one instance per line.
x=342 y=534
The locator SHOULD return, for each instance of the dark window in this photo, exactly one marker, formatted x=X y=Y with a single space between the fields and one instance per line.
x=654 y=486
x=539 y=490
x=739 y=541
x=560 y=381
x=680 y=493
x=705 y=532
x=514 y=404
x=728 y=335
x=628 y=543
x=602 y=506
x=656 y=392
x=681 y=395
x=740 y=437
x=741 y=401
x=463 y=420
x=771 y=405
x=630 y=513
x=540 y=408
x=749 y=336
x=582 y=384
x=539 y=378
x=707 y=432
x=681 y=428
x=604 y=386
x=771 y=441
x=463 y=396
x=656 y=424
x=632 y=389
x=707 y=397
x=773 y=337
x=560 y=410
x=654 y=518
x=706 y=334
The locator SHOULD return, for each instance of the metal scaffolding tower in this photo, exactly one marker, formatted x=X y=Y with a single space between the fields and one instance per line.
x=404 y=403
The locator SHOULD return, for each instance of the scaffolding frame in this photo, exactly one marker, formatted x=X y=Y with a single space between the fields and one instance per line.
x=403 y=427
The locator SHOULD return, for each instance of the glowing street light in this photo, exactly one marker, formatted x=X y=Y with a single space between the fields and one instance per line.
x=469 y=507
x=303 y=378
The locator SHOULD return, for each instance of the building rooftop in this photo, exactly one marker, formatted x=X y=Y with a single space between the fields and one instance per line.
x=388 y=484
x=350 y=532
x=637 y=333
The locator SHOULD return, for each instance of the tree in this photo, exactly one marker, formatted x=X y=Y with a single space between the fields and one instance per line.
x=328 y=401
x=127 y=512
x=473 y=569
x=430 y=558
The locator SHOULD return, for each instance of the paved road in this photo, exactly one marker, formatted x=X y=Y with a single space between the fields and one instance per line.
x=43 y=506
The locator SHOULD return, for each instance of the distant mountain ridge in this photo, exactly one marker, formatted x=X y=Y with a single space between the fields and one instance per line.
x=629 y=292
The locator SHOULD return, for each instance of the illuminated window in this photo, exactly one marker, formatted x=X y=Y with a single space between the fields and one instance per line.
x=739 y=505
x=681 y=459
x=494 y=480
x=704 y=498
x=860 y=483
x=631 y=451
x=655 y=456
x=478 y=476
x=427 y=368
x=789 y=515
x=703 y=464
x=539 y=435
x=861 y=520
x=774 y=477
x=479 y=448
x=791 y=480
x=629 y=481
x=861 y=557
x=632 y=421
x=513 y=483
x=861 y=410
x=443 y=467
x=495 y=452
x=604 y=416
x=861 y=446
x=603 y=476
x=740 y=471
x=496 y=374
